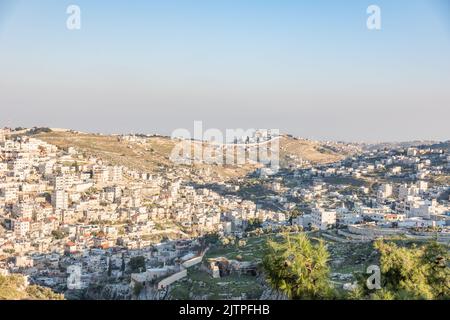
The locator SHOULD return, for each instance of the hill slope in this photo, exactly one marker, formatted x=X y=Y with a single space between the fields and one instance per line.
x=154 y=153
x=13 y=287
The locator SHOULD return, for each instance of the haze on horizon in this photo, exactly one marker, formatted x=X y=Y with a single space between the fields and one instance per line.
x=311 y=69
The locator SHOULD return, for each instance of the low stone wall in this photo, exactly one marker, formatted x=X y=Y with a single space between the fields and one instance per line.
x=171 y=279
x=374 y=232
x=192 y=262
x=352 y=236
x=183 y=273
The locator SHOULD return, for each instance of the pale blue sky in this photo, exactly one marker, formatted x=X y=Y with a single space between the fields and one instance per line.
x=310 y=68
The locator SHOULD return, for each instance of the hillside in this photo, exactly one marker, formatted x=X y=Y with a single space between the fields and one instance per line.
x=441 y=145
x=149 y=156
x=14 y=287
x=316 y=152
x=395 y=145
x=152 y=153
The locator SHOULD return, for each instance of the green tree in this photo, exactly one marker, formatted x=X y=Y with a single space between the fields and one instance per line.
x=298 y=268
x=109 y=267
x=253 y=224
x=402 y=274
x=294 y=214
x=137 y=264
x=409 y=273
x=58 y=234
x=383 y=294
x=138 y=287
x=122 y=268
x=242 y=243
x=436 y=260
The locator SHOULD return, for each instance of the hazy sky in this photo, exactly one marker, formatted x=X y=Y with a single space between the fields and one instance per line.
x=310 y=68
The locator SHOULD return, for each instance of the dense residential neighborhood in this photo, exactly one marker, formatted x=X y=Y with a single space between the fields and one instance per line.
x=92 y=229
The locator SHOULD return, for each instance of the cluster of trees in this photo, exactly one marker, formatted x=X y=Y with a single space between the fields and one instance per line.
x=299 y=269
x=253 y=224
x=275 y=229
x=232 y=241
x=228 y=241
x=58 y=234
x=137 y=264
x=35 y=130
x=409 y=273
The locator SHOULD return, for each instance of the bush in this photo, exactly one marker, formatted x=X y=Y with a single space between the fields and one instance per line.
x=58 y=235
x=137 y=264
x=137 y=288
